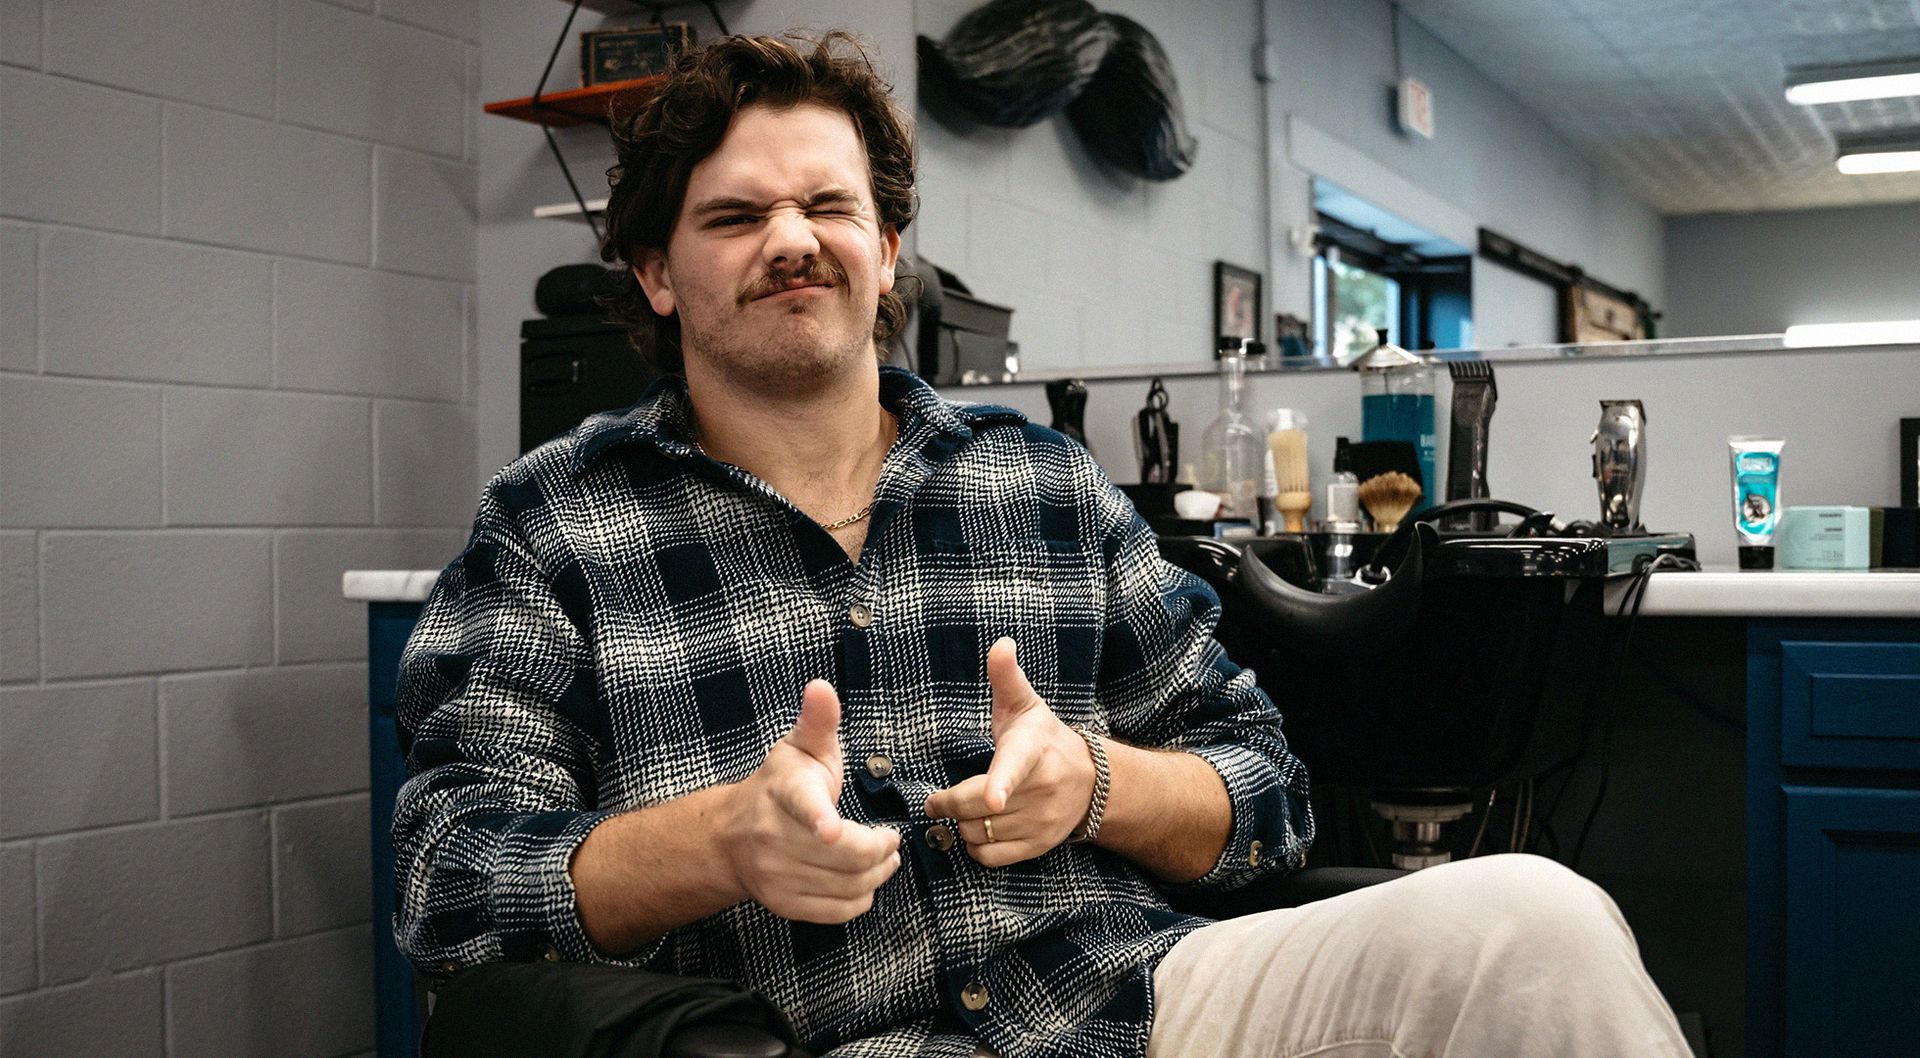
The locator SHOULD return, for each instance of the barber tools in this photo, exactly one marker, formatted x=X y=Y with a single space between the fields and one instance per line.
x=1156 y=438
x=1620 y=465
x=1068 y=399
x=1474 y=395
x=1388 y=497
x=1293 y=490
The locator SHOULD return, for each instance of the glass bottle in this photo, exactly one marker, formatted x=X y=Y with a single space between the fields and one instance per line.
x=1231 y=448
x=1396 y=404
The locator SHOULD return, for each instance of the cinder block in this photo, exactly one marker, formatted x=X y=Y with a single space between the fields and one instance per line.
x=19 y=966
x=19 y=607
x=119 y=603
x=234 y=739
x=250 y=457
x=78 y=453
x=19 y=295
x=109 y=178
x=106 y=771
x=355 y=330
x=316 y=622
x=20 y=32
x=207 y=51
x=305 y=998
x=119 y=1016
x=149 y=894
x=323 y=866
x=1016 y=242
x=180 y=313
x=244 y=182
x=372 y=78
x=458 y=18
x=424 y=455
x=425 y=210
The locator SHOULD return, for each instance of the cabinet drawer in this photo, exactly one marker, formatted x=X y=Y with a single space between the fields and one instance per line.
x=1850 y=704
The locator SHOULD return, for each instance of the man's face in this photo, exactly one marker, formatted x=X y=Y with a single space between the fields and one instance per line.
x=777 y=260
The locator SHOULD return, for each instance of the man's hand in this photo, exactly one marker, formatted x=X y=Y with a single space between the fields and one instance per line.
x=1037 y=789
x=785 y=841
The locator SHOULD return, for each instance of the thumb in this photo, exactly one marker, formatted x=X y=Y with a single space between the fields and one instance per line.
x=817 y=732
x=1012 y=693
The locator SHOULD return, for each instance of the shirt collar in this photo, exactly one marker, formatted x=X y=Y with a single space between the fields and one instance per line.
x=661 y=416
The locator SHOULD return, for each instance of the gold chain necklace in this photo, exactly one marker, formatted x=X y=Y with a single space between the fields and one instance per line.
x=851 y=519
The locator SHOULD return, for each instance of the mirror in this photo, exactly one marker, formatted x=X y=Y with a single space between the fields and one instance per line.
x=1611 y=141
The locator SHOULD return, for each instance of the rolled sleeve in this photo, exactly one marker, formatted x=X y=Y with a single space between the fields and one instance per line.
x=1167 y=683
x=497 y=713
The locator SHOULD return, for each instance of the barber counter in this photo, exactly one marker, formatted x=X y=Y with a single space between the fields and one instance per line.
x=1831 y=819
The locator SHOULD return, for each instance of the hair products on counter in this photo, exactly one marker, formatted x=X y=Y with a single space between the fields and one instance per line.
x=1755 y=466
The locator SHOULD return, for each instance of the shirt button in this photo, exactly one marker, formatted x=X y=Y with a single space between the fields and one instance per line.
x=939 y=837
x=552 y=954
x=974 y=996
x=1253 y=854
x=879 y=766
x=860 y=614
x=449 y=967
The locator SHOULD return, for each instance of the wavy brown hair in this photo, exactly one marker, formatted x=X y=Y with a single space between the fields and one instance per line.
x=659 y=144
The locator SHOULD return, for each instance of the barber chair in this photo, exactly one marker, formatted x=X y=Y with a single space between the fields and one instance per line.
x=509 y=1007
x=1423 y=683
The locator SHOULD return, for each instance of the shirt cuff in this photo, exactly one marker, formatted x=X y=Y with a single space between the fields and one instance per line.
x=536 y=908
x=1260 y=840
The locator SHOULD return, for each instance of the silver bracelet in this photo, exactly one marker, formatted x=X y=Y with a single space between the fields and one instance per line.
x=1102 y=783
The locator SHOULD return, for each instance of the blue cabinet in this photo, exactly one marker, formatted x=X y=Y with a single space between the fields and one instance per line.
x=398 y=1007
x=1833 y=840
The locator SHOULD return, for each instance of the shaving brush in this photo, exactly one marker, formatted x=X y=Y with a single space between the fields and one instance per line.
x=1293 y=492
x=1388 y=497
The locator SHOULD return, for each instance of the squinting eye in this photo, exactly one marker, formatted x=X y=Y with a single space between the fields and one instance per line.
x=734 y=221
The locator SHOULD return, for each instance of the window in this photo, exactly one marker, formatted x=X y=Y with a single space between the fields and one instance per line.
x=1373 y=271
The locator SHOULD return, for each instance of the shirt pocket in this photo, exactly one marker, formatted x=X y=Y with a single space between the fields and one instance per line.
x=1049 y=595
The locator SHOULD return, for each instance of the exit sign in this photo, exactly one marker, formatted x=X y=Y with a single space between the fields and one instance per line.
x=1416 y=107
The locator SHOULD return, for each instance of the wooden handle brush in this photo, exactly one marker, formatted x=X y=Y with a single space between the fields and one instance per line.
x=1388 y=497
x=1293 y=492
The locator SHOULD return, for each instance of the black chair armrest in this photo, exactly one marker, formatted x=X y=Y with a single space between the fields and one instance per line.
x=728 y=1041
x=1286 y=890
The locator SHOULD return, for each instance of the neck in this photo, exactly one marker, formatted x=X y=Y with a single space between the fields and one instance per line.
x=821 y=446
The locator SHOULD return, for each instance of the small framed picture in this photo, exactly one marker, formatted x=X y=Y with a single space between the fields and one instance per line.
x=1236 y=302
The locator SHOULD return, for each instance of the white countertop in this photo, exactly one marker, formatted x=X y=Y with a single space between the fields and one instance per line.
x=1777 y=593
x=388 y=585
x=1708 y=593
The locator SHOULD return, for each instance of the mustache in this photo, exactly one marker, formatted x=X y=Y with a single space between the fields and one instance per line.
x=817 y=271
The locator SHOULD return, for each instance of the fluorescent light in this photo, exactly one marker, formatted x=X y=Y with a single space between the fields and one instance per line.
x=1893 y=151
x=1879 y=162
x=1886 y=332
x=1844 y=84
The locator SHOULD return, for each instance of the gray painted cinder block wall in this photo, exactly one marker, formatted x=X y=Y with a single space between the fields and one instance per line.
x=237 y=279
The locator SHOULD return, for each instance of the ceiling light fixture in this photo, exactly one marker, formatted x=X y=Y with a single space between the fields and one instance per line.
x=1892 y=151
x=1844 y=84
x=1884 y=332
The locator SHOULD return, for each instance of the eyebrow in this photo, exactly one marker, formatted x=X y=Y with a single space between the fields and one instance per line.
x=826 y=196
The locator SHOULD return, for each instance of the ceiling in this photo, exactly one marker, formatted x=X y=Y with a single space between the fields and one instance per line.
x=1684 y=99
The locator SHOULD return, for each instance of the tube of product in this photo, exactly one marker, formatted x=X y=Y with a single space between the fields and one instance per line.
x=1755 y=463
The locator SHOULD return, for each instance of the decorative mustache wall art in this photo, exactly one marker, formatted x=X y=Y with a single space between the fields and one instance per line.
x=1012 y=63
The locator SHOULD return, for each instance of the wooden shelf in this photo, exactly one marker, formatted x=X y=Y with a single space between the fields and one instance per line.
x=577 y=106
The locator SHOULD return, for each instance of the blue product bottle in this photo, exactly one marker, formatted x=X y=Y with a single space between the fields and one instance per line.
x=1396 y=404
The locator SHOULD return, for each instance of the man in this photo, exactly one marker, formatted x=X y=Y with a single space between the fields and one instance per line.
x=795 y=673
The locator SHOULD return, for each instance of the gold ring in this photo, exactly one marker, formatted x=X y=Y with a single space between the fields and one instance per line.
x=988 y=823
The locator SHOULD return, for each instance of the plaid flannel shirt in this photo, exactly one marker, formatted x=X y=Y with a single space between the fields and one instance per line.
x=632 y=621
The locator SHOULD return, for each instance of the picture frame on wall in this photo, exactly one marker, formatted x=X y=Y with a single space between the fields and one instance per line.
x=1236 y=303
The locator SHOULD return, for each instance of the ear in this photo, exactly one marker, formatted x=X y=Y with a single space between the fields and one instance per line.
x=889 y=254
x=651 y=271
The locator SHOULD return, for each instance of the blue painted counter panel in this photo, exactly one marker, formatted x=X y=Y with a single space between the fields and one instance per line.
x=398 y=1011
x=1833 y=838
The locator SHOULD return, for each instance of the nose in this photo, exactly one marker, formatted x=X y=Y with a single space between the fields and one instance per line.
x=790 y=239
